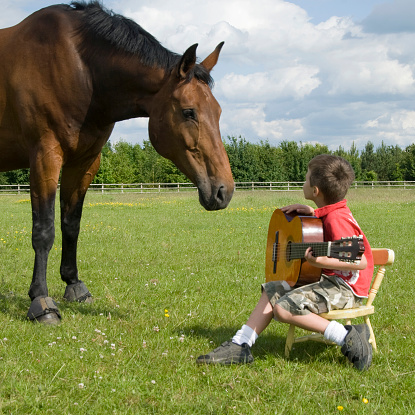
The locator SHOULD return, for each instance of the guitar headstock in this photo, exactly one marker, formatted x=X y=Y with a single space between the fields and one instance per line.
x=348 y=249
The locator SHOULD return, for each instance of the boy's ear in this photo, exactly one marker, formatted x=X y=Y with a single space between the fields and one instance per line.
x=316 y=191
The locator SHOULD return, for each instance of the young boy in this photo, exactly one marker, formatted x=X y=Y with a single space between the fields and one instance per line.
x=341 y=286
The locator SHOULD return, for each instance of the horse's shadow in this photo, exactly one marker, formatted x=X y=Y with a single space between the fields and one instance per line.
x=268 y=344
x=16 y=306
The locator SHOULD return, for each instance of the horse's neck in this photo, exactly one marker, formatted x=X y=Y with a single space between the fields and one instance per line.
x=124 y=86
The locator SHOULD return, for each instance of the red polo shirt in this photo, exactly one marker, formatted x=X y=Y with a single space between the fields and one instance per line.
x=339 y=222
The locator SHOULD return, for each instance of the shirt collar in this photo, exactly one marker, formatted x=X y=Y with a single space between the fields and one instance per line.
x=325 y=210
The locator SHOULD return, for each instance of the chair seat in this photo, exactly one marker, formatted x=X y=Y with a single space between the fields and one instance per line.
x=360 y=311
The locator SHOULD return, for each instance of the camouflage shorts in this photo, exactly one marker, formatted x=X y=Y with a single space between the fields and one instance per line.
x=320 y=297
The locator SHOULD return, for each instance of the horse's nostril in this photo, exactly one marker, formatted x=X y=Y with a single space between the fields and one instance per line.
x=221 y=196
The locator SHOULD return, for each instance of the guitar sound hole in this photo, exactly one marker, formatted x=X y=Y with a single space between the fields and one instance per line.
x=288 y=252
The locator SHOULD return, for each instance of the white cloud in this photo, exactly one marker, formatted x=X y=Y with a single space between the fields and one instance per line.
x=290 y=82
x=253 y=118
x=372 y=77
x=396 y=126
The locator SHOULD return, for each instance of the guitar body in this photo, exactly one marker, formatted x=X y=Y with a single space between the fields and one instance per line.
x=283 y=230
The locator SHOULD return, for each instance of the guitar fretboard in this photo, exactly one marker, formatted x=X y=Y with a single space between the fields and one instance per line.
x=296 y=250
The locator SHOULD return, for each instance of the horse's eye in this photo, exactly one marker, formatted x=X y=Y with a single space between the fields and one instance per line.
x=190 y=114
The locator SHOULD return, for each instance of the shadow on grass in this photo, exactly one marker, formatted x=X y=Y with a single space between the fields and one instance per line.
x=268 y=344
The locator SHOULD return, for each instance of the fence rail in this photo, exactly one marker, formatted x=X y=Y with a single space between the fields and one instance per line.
x=12 y=189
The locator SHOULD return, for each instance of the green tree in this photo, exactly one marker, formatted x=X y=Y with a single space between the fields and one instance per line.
x=241 y=158
x=388 y=160
x=122 y=163
x=408 y=163
x=291 y=161
x=157 y=169
x=368 y=157
x=104 y=174
x=353 y=157
x=268 y=162
x=3 y=178
x=21 y=176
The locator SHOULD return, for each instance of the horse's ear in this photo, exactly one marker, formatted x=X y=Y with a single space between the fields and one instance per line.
x=188 y=61
x=212 y=59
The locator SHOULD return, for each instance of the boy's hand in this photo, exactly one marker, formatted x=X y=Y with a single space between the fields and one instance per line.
x=309 y=257
x=300 y=209
x=334 y=263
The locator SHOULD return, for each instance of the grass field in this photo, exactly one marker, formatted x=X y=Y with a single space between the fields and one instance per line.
x=172 y=281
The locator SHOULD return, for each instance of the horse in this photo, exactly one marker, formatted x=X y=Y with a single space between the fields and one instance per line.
x=68 y=73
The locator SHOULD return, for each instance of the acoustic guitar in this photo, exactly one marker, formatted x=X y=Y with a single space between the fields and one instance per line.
x=290 y=235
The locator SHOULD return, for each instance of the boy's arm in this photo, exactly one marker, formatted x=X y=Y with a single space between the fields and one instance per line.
x=334 y=263
x=301 y=209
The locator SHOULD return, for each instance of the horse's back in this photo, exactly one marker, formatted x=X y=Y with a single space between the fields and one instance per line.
x=39 y=64
x=42 y=27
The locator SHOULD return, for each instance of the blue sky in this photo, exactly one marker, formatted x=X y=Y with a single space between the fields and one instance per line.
x=328 y=71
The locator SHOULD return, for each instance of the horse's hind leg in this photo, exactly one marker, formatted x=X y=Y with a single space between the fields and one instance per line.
x=74 y=184
x=44 y=175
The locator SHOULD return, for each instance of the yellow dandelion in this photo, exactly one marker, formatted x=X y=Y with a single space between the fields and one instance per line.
x=340 y=408
x=166 y=315
x=364 y=400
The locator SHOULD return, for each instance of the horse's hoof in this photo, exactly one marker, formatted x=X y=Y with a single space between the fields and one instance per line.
x=50 y=319
x=88 y=300
x=44 y=310
x=78 y=292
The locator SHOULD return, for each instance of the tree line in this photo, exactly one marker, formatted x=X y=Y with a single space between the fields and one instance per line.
x=259 y=162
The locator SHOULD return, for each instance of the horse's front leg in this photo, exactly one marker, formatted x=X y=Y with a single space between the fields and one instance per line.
x=74 y=184
x=44 y=175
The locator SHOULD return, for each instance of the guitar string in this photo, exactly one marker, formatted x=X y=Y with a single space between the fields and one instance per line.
x=297 y=250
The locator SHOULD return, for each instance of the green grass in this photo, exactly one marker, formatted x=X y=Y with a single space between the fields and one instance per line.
x=141 y=255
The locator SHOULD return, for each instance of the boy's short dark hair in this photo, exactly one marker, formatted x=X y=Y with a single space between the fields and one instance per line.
x=333 y=175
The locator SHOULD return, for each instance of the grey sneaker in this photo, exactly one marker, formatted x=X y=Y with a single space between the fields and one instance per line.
x=356 y=346
x=227 y=353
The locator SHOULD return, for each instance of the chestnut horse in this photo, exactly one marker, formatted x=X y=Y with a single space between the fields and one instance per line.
x=67 y=74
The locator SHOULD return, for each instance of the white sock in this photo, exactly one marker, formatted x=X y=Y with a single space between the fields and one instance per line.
x=245 y=335
x=335 y=332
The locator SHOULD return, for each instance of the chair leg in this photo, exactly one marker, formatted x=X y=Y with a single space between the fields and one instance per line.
x=290 y=340
x=372 y=339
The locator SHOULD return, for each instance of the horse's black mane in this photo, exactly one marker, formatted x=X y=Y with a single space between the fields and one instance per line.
x=126 y=36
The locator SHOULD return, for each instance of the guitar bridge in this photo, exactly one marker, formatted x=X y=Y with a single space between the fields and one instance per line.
x=275 y=253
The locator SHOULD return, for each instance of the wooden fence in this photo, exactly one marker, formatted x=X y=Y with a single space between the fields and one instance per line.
x=185 y=187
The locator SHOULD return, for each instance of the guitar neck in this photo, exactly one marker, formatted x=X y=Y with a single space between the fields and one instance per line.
x=296 y=250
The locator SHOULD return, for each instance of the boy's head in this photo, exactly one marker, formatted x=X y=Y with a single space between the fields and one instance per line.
x=332 y=175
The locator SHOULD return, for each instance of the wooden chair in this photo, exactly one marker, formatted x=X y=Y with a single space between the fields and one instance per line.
x=381 y=257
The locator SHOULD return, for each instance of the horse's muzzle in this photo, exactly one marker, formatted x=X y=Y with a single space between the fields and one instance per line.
x=218 y=198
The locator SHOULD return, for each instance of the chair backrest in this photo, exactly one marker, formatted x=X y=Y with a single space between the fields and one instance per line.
x=381 y=257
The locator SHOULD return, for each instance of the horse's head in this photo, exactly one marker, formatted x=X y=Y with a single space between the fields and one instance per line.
x=184 y=127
